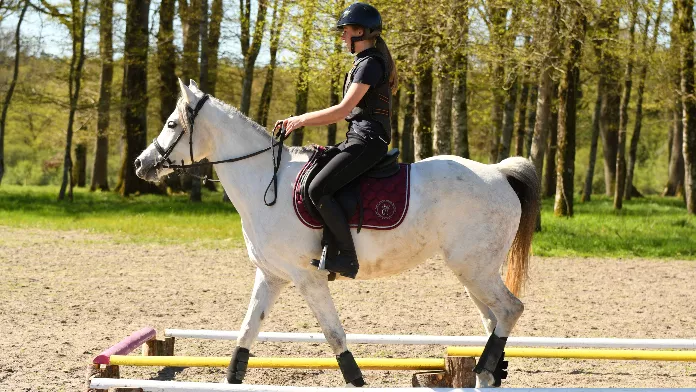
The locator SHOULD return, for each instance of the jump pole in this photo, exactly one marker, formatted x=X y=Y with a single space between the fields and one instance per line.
x=278 y=363
x=178 y=386
x=523 y=341
x=629 y=355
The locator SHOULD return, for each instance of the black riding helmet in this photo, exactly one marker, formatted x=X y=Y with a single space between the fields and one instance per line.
x=363 y=15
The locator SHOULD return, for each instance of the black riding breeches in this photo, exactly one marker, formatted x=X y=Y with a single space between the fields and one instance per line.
x=358 y=154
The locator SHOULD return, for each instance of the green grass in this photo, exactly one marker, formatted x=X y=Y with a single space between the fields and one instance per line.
x=141 y=219
x=651 y=227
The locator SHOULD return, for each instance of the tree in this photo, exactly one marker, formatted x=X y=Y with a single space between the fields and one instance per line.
x=250 y=50
x=302 y=82
x=675 y=182
x=565 y=168
x=77 y=30
x=190 y=15
x=407 y=142
x=587 y=189
x=216 y=13
x=649 y=49
x=106 y=53
x=607 y=36
x=279 y=11
x=166 y=60
x=686 y=32
x=623 y=111
x=543 y=107
x=522 y=107
x=422 y=128
x=10 y=91
x=134 y=96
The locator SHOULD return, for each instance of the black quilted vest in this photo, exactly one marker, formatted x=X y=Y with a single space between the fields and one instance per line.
x=375 y=105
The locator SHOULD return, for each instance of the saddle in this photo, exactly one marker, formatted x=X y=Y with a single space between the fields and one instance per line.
x=381 y=192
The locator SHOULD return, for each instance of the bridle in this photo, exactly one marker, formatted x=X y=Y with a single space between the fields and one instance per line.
x=164 y=162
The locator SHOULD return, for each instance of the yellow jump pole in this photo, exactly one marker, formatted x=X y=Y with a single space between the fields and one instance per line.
x=633 y=355
x=269 y=363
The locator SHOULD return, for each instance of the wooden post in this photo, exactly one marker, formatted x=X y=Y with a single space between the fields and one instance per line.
x=153 y=347
x=431 y=380
x=169 y=347
x=458 y=373
x=101 y=371
x=461 y=371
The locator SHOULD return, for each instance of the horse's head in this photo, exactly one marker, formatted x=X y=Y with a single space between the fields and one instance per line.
x=178 y=142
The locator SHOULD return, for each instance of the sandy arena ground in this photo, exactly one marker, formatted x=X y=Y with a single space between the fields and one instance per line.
x=65 y=296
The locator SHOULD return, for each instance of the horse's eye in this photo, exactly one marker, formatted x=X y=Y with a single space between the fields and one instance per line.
x=171 y=124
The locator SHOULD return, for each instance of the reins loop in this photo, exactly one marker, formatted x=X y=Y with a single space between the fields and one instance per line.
x=166 y=163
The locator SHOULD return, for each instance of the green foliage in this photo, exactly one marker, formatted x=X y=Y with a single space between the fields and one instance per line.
x=142 y=219
x=651 y=227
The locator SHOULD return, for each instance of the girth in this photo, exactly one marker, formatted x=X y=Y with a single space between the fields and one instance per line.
x=347 y=197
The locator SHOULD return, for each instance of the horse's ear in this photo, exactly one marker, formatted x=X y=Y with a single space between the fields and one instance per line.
x=193 y=86
x=187 y=94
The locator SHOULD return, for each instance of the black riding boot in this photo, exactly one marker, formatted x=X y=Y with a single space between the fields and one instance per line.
x=346 y=261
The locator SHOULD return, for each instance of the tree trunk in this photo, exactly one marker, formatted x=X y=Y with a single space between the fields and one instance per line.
x=423 y=132
x=549 y=188
x=79 y=21
x=250 y=50
x=543 y=107
x=106 y=53
x=675 y=182
x=521 y=119
x=407 y=144
x=79 y=175
x=190 y=14
x=639 y=100
x=589 y=176
x=216 y=13
x=460 y=113
x=395 y=135
x=196 y=195
x=567 y=109
x=611 y=97
x=443 y=106
x=134 y=96
x=166 y=60
x=531 y=115
x=623 y=113
x=686 y=29
x=508 y=120
x=334 y=97
x=497 y=33
x=10 y=91
x=267 y=92
x=302 y=84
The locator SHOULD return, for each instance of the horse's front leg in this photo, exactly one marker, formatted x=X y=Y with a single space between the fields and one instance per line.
x=266 y=290
x=314 y=287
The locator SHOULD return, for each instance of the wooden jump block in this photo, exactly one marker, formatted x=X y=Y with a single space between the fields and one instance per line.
x=101 y=371
x=158 y=348
x=458 y=373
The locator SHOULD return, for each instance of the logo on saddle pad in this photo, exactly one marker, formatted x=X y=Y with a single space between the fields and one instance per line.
x=385 y=209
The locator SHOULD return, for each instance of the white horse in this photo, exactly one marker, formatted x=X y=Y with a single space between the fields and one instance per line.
x=474 y=215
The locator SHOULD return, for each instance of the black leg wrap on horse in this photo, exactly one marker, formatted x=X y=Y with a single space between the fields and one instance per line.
x=492 y=358
x=238 y=365
x=349 y=368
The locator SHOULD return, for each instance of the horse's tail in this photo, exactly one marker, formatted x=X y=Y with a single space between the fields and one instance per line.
x=522 y=176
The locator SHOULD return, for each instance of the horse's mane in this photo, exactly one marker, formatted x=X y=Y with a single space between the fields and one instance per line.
x=231 y=111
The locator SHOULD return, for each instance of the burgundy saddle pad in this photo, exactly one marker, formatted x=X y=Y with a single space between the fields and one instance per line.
x=384 y=201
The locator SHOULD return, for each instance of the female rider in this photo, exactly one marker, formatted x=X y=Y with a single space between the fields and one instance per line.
x=366 y=105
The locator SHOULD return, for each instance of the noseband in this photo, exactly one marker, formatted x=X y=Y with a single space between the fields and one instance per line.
x=165 y=163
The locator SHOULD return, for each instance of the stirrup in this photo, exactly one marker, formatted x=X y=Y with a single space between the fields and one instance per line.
x=327 y=263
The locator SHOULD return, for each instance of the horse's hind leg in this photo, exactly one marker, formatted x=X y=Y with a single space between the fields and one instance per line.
x=487 y=316
x=490 y=295
x=315 y=289
x=266 y=290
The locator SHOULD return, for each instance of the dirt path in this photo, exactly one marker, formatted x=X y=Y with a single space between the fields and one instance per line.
x=65 y=296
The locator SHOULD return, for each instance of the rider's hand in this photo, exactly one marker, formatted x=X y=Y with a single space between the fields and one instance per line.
x=290 y=124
